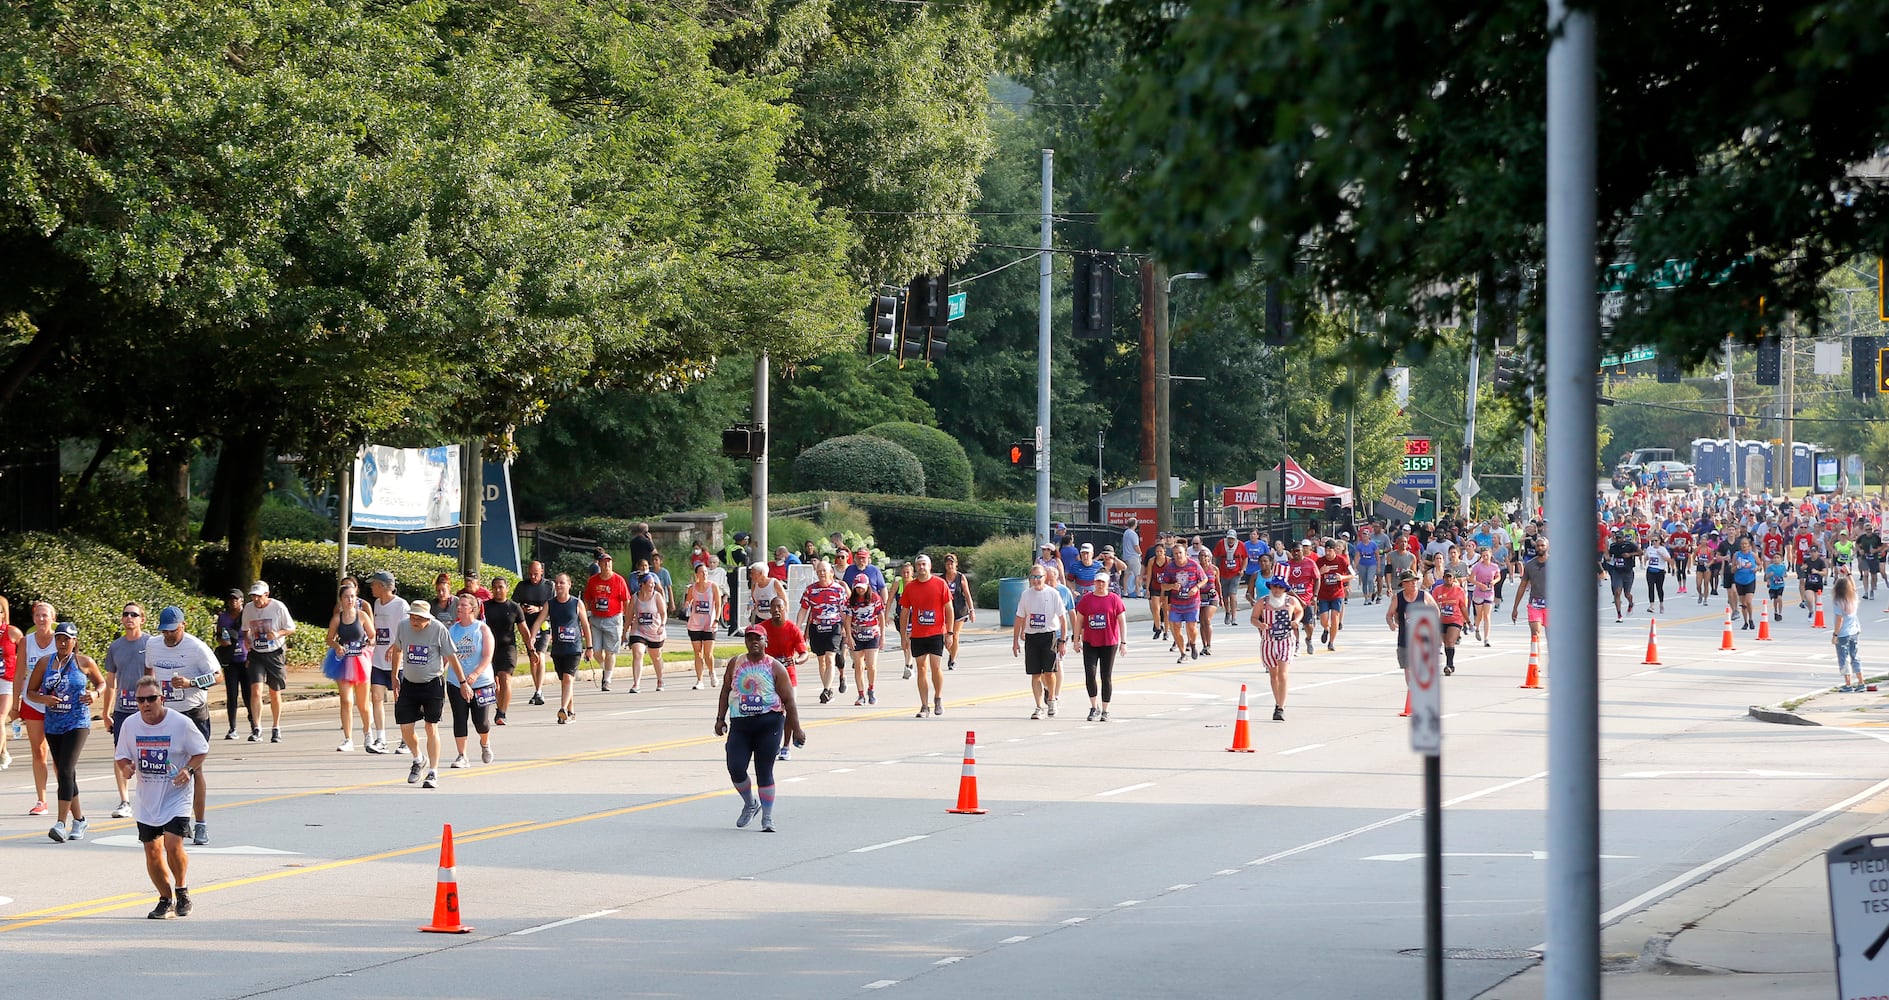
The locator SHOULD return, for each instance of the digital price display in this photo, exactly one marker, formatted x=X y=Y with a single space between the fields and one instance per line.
x=1417 y=455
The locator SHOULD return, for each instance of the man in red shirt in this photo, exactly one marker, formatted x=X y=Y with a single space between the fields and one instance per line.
x=1803 y=546
x=1301 y=577
x=925 y=605
x=1230 y=556
x=822 y=608
x=605 y=594
x=1773 y=543
x=1334 y=579
x=786 y=644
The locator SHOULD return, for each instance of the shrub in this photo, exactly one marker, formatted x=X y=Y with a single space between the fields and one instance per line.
x=846 y=519
x=905 y=526
x=284 y=521
x=302 y=575
x=89 y=583
x=861 y=463
x=610 y=532
x=947 y=467
x=789 y=531
x=996 y=558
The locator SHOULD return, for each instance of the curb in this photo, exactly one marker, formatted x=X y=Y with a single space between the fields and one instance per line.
x=1781 y=717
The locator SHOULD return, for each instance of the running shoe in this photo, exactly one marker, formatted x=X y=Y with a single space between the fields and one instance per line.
x=633 y=689
x=1181 y=658
x=1192 y=651
x=842 y=683
x=485 y=754
x=460 y=761
x=767 y=825
x=1093 y=712
x=872 y=696
x=123 y=811
x=182 y=908
x=1103 y=717
x=275 y=735
x=414 y=772
x=826 y=695
x=605 y=687
x=861 y=700
x=499 y=720
x=1036 y=713
x=1049 y=705
x=6 y=759
x=923 y=712
x=1278 y=713
x=787 y=753
x=432 y=780
x=39 y=809
x=400 y=747
x=1206 y=650
x=536 y=698
x=748 y=812
x=230 y=735
x=255 y=736
x=697 y=687
x=1324 y=635
x=908 y=673
x=937 y=706
x=162 y=911
x=58 y=832
x=200 y=833
x=78 y=830
x=951 y=664
x=561 y=717
x=347 y=746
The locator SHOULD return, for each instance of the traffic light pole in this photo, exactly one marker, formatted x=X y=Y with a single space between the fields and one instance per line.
x=758 y=551
x=1044 y=272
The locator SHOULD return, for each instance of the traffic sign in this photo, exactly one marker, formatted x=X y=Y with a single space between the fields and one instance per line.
x=1636 y=355
x=957 y=301
x=1423 y=651
x=1467 y=488
x=1859 y=915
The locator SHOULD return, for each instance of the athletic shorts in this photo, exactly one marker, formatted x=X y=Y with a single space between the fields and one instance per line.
x=542 y=641
x=708 y=636
x=504 y=658
x=1778 y=594
x=179 y=826
x=31 y=713
x=420 y=700
x=1488 y=598
x=1333 y=605
x=566 y=663
x=201 y=717
x=1039 y=652
x=823 y=641
x=1458 y=626
x=1190 y=615
x=864 y=645
x=1747 y=588
x=380 y=677
x=638 y=639
x=1622 y=578
x=928 y=645
x=607 y=633
x=266 y=668
x=6 y=688
x=1208 y=602
x=1277 y=652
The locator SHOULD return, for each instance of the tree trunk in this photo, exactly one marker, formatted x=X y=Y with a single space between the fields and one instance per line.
x=216 y=516
x=51 y=336
x=168 y=470
x=106 y=445
x=245 y=454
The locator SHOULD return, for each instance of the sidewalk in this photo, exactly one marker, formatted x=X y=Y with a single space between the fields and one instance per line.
x=1759 y=930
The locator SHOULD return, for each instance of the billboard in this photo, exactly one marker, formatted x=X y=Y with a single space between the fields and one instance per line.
x=406 y=489
x=498 y=531
x=1419 y=466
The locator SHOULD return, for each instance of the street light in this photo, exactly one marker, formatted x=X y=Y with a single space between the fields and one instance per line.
x=1163 y=465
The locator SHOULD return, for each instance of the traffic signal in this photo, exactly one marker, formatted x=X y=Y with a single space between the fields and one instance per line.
x=1866 y=365
x=1505 y=374
x=1094 y=287
x=927 y=317
x=1668 y=370
x=1023 y=454
x=1278 y=322
x=1770 y=360
x=744 y=441
x=883 y=315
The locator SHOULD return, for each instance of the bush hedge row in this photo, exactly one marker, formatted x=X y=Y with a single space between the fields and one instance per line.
x=88 y=583
x=859 y=462
x=947 y=467
x=905 y=526
x=996 y=558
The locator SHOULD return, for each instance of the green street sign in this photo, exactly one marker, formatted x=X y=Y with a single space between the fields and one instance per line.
x=1637 y=354
x=957 y=301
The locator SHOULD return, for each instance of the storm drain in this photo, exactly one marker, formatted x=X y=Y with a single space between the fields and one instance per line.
x=1478 y=954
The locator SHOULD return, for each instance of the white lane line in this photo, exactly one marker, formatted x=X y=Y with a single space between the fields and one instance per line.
x=1129 y=902
x=841 y=770
x=889 y=843
x=791 y=780
x=1018 y=739
x=1124 y=789
x=1178 y=886
x=1345 y=680
x=1154 y=715
x=936 y=753
x=1308 y=746
x=888 y=762
x=1228 y=871
x=1187 y=709
x=1018 y=939
x=952 y=960
x=879 y=984
x=635 y=711
x=1358 y=831
x=4 y=900
x=1075 y=920
x=566 y=922
x=1449 y=715
x=1054 y=732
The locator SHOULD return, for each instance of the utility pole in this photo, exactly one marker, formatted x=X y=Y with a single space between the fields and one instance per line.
x=1787 y=425
x=471 y=505
x=1466 y=488
x=1150 y=279
x=1163 y=469
x=1731 y=418
x=1573 y=866
x=345 y=514
x=759 y=531
x=1044 y=272
x=1528 y=445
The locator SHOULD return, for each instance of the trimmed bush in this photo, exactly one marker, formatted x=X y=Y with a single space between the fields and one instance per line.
x=860 y=463
x=904 y=526
x=947 y=467
x=280 y=521
x=610 y=532
x=996 y=558
x=302 y=575
x=88 y=583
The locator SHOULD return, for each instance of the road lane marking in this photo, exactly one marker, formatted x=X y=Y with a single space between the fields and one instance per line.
x=566 y=922
x=1129 y=902
x=1527 y=855
x=880 y=984
x=1018 y=939
x=1753 y=773
x=952 y=960
x=1124 y=789
x=1308 y=746
x=1228 y=871
x=841 y=770
x=1358 y=831
x=128 y=840
x=1178 y=886
x=1072 y=921
x=890 y=843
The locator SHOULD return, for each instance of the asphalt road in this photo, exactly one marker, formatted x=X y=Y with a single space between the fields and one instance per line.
x=1134 y=858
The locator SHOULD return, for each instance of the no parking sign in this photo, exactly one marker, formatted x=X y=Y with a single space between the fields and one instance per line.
x=1423 y=646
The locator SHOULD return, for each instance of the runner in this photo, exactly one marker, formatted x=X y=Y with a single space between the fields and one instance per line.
x=925 y=604
x=1803 y=544
x=1209 y=601
x=865 y=633
x=1155 y=570
x=895 y=593
x=1104 y=619
x=350 y=637
x=124 y=664
x=1334 y=583
x=1230 y=558
x=963 y=609
x=1705 y=567
x=1302 y=578
x=1623 y=553
x=1483 y=578
x=1079 y=576
x=33 y=647
x=232 y=654
x=66 y=682
x=422 y=647
x=1255 y=546
x=1812 y=574
x=822 y=615
x=1409 y=592
x=533 y=593
x=570 y=642
x=606 y=594
x=1534 y=590
x=472 y=686
x=1033 y=635
x=755 y=709
x=268 y=624
x=185 y=669
x=1869 y=549
x=1184 y=578
x=1658 y=557
x=164 y=751
x=648 y=616
x=389 y=611
x=1370 y=581
x=787 y=644
x=763 y=591
x=1453 y=608
x=1774 y=573
x=1277 y=618
x=506 y=618
x=699 y=602
x=1679 y=543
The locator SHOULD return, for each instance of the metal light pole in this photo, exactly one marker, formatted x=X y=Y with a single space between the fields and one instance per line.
x=1044 y=272
x=1573 y=867
x=758 y=532
x=1163 y=386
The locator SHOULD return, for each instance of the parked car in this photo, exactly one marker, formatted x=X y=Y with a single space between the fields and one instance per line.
x=1633 y=462
x=1678 y=475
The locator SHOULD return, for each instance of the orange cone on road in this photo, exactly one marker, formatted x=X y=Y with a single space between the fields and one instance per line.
x=446 y=892
x=1818 y=623
x=1533 y=680
x=1726 y=642
x=1242 y=733
x=1405 y=714
x=1652 y=644
x=1764 y=619
x=967 y=785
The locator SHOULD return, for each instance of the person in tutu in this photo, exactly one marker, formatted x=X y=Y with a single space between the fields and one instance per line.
x=350 y=644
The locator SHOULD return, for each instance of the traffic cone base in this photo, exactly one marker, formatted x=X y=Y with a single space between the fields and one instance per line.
x=1652 y=644
x=1764 y=620
x=1726 y=642
x=1533 y=681
x=1818 y=623
x=1242 y=730
x=446 y=892
x=967 y=784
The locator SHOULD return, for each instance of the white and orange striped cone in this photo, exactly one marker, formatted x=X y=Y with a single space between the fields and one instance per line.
x=1652 y=644
x=1242 y=731
x=446 y=892
x=1532 y=682
x=1818 y=622
x=967 y=785
x=1726 y=642
x=1764 y=619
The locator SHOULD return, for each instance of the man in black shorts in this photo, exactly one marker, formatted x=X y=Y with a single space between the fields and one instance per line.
x=1622 y=554
x=421 y=650
x=162 y=750
x=533 y=595
x=506 y=618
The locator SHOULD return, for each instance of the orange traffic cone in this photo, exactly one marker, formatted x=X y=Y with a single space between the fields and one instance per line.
x=1405 y=714
x=1764 y=619
x=1242 y=734
x=1818 y=622
x=967 y=785
x=1726 y=642
x=1533 y=680
x=446 y=893
x=1652 y=644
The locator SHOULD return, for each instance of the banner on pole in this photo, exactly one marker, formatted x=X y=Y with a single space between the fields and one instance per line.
x=406 y=489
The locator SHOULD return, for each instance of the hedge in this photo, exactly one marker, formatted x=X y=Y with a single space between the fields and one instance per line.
x=1009 y=555
x=284 y=521
x=859 y=462
x=905 y=526
x=88 y=583
x=947 y=467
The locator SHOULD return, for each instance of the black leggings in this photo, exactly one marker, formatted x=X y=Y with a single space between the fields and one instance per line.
x=65 y=760
x=236 y=688
x=757 y=737
x=1102 y=658
x=1656 y=586
x=464 y=711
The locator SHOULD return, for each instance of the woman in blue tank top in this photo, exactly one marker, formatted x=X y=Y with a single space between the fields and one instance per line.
x=756 y=708
x=471 y=690
x=66 y=681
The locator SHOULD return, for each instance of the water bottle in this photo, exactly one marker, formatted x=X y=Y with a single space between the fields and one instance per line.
x=19 y=729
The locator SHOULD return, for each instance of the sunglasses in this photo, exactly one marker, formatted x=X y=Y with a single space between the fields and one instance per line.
x=1036 y=576
x=143 y=698
x=131 y=614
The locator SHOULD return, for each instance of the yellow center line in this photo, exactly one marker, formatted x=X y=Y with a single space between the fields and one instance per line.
x=124 y=901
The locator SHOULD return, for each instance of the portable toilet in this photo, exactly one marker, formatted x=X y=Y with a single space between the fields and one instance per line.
x=1710 y=460
x=1803 y=465
x=1756 y=469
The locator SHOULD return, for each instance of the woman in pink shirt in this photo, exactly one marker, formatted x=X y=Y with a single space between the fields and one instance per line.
x=1104 y=634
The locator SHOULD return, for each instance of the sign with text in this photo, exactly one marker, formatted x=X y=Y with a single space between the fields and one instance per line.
x=1859 y=915
x=406 y=489
x=498 y=525
x=1419 y=465
x=1399 y=505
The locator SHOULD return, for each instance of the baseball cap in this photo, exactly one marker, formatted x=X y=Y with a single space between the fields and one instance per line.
x=1048 y=545
x=1232 y=534
x=755 y=629
x=419 y=609
x=1086 y=547
x=382 y=576
x=66 y=628
x=171 y=617
x=1277 y=581
x=1108 y=550
x=603 y=556
x=258 y=588
x=235 y=593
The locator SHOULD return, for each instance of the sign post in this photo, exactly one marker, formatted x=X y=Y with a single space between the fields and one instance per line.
x=1859 y=914
x=1424 y=624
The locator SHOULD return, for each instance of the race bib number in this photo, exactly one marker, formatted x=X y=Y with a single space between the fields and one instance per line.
x=1038 y=620
x=1331 y=579
x=1098 y=622
x=128 y=700
x=927 y=617
x=645 y=619
x=154 y=756
x=601 y=605
x=383 y=636
x=487 y=695
x=702 y=607
x=1540 y=603
x=567 y=633
x=419 y=656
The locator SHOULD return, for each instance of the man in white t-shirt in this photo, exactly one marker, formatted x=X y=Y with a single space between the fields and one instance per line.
x=1036 y=636
x=162 y=749
x=184 y=667
x=1131 y=554
x=389 y=611
x=268 y=623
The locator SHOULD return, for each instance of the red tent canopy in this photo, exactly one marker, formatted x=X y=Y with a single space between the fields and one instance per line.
x=1302 y=491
